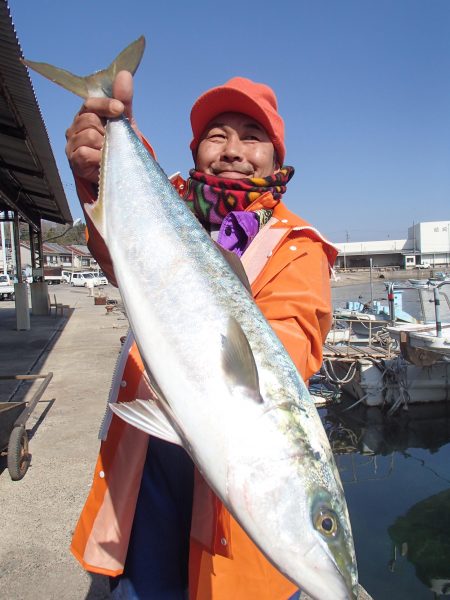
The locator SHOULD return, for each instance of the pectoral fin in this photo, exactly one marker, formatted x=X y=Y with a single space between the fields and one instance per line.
x=148 y=417
x=238 y=361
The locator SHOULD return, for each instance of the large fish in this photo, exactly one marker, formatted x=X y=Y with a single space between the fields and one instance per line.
x=227 y=390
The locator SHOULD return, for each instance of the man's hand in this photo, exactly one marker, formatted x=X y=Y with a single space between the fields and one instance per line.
x=86 y=134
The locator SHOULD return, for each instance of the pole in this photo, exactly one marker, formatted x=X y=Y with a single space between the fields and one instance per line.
x=18 y=263
x=13 y=249
x=437 y=311
x=371 y=286
x=391 y=301
x=2 y=229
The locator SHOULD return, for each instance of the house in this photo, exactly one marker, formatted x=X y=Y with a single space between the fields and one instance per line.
x=74 y=256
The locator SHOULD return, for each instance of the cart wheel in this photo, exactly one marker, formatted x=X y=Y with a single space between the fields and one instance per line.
x=18 y=456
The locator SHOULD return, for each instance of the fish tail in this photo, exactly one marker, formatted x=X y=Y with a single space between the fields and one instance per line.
x=99 y=84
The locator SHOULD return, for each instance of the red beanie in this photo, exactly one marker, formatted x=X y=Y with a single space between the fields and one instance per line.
x=241 y=95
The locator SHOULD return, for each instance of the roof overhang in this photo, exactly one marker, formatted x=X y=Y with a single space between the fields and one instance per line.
x=29 y=180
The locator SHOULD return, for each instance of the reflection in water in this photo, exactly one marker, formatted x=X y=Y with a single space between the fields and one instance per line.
x=423 y=537
x=367 y=430
x=396 y=475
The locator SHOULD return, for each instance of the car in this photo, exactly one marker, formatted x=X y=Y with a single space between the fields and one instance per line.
x=83 y=279
x=5 y=280
x=100 y=277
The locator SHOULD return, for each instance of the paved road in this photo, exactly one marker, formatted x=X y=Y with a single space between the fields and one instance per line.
x=39 y=512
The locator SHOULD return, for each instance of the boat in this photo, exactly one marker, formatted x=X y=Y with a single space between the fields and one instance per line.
x=439 y=277
x=422 y=344
x=359 y=323
x=419 y=283
x=414 y=367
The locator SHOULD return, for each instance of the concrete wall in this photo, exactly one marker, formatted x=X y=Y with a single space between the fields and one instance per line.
x=385 y=246
x=435 y=237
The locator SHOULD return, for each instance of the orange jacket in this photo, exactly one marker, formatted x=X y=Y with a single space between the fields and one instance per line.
x=288 y=267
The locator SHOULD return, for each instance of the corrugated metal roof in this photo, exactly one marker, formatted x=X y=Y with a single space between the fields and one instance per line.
x=29 y=177
x=79 y=249
x=53 y=248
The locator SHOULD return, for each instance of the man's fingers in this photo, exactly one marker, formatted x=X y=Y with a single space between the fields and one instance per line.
x=108 y=108
x=85 y=163
x=85 y=121
x=123 y=91
x=86 y=135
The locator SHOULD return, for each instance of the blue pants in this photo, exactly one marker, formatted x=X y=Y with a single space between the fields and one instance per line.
x=156 y=566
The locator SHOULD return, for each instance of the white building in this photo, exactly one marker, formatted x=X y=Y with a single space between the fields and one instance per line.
x=427 y=243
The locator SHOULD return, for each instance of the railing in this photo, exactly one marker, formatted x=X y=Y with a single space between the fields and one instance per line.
x=436 y=300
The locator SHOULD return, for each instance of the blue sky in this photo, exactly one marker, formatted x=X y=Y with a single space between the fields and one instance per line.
x=363 y=86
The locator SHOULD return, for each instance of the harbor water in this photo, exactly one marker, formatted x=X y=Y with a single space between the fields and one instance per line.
x=396 y=475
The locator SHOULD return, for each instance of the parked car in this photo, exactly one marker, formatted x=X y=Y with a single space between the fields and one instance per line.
x=101 y=278
x=5 y=280
x=82 y=279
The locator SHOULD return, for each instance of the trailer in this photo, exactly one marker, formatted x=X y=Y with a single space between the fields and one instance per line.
x=53 y=275
x=13 y=434
x=7 y=292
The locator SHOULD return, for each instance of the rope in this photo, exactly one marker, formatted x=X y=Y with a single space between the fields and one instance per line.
x=327 y=366
x=396 y=375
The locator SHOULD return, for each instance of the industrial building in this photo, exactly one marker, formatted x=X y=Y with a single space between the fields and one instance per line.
x=428 y=243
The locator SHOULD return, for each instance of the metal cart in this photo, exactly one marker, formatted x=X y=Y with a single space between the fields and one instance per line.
x=13 y=434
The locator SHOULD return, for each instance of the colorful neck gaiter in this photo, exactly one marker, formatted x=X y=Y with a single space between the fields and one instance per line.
x=211 y=198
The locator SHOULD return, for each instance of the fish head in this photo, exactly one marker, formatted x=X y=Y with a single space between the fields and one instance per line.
x=320 y=558
x=330 y=545
x=326 y=542
x=285 y=479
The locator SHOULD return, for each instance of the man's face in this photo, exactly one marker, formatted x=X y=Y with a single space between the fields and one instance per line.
x=235 y=146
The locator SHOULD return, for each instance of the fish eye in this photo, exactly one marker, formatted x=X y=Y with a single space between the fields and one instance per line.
x=326 y=522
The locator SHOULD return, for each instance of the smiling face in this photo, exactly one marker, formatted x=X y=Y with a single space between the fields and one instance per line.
x=235 y=146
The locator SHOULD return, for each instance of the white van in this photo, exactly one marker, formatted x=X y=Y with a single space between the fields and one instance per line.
x=83 y=279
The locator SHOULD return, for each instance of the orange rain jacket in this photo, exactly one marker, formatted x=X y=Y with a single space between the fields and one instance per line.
x=288 y=266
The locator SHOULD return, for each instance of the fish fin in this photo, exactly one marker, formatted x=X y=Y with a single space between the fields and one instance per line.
x=66 y=79
x=99 y=84
x=238 y=360
x=95 y=210
x=148 y=417
x=235 y=263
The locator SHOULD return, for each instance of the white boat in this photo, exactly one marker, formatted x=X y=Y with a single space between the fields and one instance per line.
x=364 y=322
x=419 y=283
x=395 y=383
x=420 y=343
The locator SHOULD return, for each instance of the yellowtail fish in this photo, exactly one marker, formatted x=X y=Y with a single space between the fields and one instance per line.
x=227 y=390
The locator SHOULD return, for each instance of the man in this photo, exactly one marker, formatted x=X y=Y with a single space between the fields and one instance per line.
x=149 y=514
